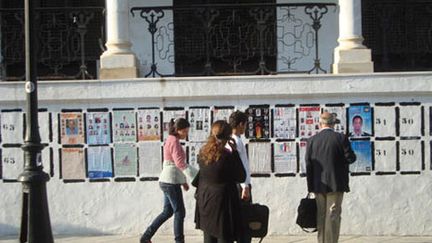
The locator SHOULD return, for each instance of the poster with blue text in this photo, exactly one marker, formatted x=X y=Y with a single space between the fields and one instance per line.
x=362 y=149
x=98 y=128
x=124 y=126
x=125 y=160
x=99 y=162
x=360 y=121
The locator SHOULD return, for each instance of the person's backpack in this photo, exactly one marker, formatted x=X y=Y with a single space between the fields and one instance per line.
x=255 y=220
x=307 y=214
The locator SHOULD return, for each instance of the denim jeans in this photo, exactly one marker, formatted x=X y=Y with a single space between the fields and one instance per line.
x=173 y=204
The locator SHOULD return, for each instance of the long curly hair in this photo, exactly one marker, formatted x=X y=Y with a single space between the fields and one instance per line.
x=213 y=149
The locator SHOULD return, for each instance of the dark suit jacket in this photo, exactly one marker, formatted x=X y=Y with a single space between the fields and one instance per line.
x=328 y=156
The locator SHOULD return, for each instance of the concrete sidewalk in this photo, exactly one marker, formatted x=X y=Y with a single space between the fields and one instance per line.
x=198 y=239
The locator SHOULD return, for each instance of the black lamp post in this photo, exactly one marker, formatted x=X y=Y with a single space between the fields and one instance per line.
x=35 y=221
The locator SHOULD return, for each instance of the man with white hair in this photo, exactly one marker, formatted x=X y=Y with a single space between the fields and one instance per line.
x=328 y=156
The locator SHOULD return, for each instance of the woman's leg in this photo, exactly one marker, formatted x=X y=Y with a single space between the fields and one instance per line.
x=175 y=197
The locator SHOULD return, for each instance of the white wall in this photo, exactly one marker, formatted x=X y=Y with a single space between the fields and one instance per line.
x=378 y=205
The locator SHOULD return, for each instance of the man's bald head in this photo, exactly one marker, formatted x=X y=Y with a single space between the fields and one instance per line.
x=327 y=119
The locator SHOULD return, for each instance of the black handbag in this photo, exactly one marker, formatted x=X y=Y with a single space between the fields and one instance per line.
x=255 y=220
x=307 y=214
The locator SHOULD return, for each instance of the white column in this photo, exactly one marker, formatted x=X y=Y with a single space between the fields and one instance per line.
x=351 y=56
x=118 y=61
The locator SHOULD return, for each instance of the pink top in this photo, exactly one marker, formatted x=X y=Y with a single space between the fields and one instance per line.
x=174 y=152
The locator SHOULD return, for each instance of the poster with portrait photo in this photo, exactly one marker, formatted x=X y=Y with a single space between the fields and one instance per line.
x=150 y=159
x=259 y=157
x=360 y=121
x=363 y=151
x=99 y=161
x=124 y=126
x=222 y=114
x=125 y=160
x=12 y=127
x=72 y=128
x=98 y=128
x=44 y=121
x=199 y=119
x=149 y=125
x=302 y=156
x=72 y=164
x=167 y=116
x=339 y=112
x=12 y=163
x=194 y=149
x=410 y=121
x=410 y=155
x=385 y=121
x=285 y=122
x=309 y=121
x=385 y=156
x=285 y=157
x=258 y=125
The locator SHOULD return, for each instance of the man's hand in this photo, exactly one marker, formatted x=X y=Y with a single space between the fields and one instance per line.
x=185 y=186
x=245 y=194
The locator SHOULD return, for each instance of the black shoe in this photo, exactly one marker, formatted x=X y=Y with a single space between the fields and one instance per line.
x=144 y=240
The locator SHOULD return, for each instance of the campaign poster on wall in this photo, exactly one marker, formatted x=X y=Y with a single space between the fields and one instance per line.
x=309 y=120
x=285 y=157
x=150 y=159
x=285 y=122
x=362 y=149
x=44 y=121
x=259 y=157
x=12 y=127
x=385 y=156
x=124 y=126
x=302 y=156
x=194 y=149
x=258 y=125
x=149 y=121
x=339 y=112
x=12 y=163
x=167 y=116
x=99 y=161
x=385 y=121
x=98 y=128
x=360 y=121
x=72 y=128
x=72 y=163
x=222 y=114
x=410 y=155
x=125 y=160
x=199 y=119
x=410 y=121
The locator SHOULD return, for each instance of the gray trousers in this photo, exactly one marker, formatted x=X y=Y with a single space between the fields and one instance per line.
x=329 y=209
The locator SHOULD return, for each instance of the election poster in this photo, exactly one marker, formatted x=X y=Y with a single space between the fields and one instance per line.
x=98 y=128
x=385 y=121
x=285 y=122
x=124 y=126
x=72 y=164
x=385 y=156
x=72 y=128
x=309 y=120
x=362 y=149
x=99 y=161
x=410 y=155
x=285 y=157
x=258 y=125
x=199 y=119
x=410 y=121
x=150 y=159
x=125 y=160
x=259 y=157
x=339 y=112
x=222 y=113
x=149 y=122
x=12 y=127
x=12 y=163
x=167 y=116
x=360 y=121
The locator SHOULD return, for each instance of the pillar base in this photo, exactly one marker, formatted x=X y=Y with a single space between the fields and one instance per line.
x=118 y=66
x=352 y=61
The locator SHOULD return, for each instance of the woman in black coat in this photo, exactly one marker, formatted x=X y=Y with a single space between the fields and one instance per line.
x=217 y=210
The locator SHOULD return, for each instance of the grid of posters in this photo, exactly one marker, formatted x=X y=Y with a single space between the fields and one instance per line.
x=362 y=149
x=98 y=128
x=309 y=121
x=125 y=160
x=12 y=163
x=150 y=159
x=222 y=114
x=71 y=128
x=72 y=164
x=199 y=119
x=12 y=127
x=410 y=121
x=194 y=149
x=44 y=126
x=410 y=155
x=99 y=161
x=124 y=126
x=385 y=156
x=302 y=158
x=259 y=157
x=385 y=121
x=285 y=122
x=258 y=125
x=360 y=121
x=167 y=116
x=285 y=157
x=149 y=125
x=340 y=114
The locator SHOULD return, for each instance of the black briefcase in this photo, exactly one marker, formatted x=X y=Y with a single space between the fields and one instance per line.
x=255 y=219
x=307 y=214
